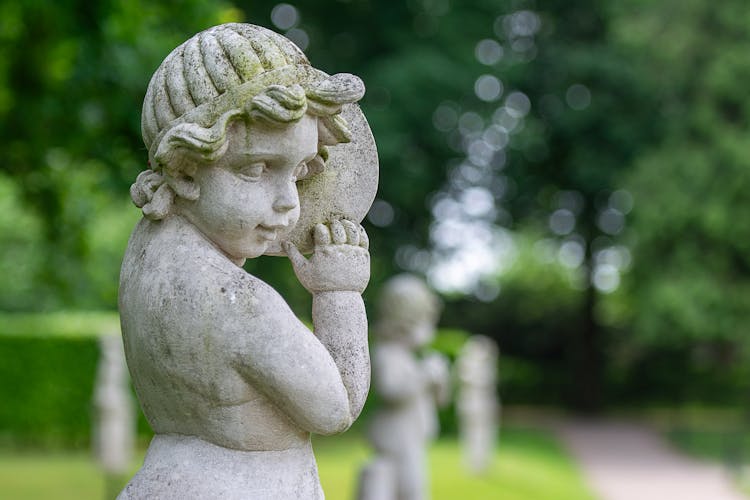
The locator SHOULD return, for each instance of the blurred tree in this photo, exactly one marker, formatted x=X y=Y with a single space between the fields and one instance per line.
x=411 y=56
x=689 y=294
x=558 y=115
x=505 y=127
x=70 y=114
x=72 y=77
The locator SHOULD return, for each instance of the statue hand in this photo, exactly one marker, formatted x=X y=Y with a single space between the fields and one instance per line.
x=340 y=260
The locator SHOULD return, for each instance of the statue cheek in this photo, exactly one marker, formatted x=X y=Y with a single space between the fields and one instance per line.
x=294 y=216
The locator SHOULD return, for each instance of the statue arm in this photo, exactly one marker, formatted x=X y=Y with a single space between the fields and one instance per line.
x=281 y=357
x=320 y=381
x=336 y=274
x=340 y=324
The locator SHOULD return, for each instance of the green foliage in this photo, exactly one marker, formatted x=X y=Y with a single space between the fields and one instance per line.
x=72 y=78
x=667 y=120
x=20 y=248
x=83 y=324
x=46 y=389
x=449 y=341
x=47 y=377
x=532 y=319
x=731 y=446
x=690 y=284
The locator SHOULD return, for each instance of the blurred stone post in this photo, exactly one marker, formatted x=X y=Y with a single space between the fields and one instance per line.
x=478 y=405
x=115 y=418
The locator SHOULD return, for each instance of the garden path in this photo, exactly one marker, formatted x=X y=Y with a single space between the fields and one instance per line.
x=628 y=461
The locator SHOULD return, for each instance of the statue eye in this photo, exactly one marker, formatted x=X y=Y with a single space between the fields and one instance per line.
x=300 y=172
x=251 y=172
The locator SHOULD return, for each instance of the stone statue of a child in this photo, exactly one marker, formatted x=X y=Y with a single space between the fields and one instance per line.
x=409 y=383
x=230 y=380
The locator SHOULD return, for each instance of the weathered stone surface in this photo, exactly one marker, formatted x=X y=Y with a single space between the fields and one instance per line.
x=231 y=381
x=408 y=387
x=345 y=190
x=114 y=423
x=477 y=404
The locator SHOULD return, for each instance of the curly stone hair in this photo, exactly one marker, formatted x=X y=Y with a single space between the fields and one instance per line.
x=226 y=73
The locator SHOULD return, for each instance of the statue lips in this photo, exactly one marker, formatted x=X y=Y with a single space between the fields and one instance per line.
x=268 y=232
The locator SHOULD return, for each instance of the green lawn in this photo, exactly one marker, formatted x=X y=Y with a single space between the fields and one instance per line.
x=529 y=465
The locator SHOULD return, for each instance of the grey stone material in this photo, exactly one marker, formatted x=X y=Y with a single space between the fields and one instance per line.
x=240 y=131
x=477 y=404
x=409 y=386
x=114 y=422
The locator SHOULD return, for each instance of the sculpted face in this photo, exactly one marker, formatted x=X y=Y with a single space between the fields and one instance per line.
x=248 y=198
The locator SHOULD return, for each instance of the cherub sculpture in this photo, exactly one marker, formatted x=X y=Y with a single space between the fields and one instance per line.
x=247 y=157
x=409 y=384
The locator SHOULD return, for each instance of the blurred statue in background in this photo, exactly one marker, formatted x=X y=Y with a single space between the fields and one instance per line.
x=477 y=405
x=251 y=151
x=409 y=384
x=115 y=417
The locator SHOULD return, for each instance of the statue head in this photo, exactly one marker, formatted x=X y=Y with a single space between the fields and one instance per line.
x=408 y=311
x=219 y=89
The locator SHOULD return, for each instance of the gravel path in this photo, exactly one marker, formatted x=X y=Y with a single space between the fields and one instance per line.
x=625 y=461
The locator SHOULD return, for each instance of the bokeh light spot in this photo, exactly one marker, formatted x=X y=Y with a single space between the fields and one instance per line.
x=562 y=222
x=299 y=37
x=571 y=254
x=611 y=221
x=445 y=117
x=488 y=88
x=606 y=278
x=284 y=16
x=381 y=213
x=578 y=97
x=518 y=104
x=488 y=51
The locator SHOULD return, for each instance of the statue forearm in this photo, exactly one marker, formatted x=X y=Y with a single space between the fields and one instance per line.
x=340 y=323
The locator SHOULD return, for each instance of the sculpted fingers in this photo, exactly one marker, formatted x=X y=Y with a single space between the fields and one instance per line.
x=340 y=245
x=338 y=233
x=364 y=240
x=298 y=260
x=352 y=232
x=321 y=235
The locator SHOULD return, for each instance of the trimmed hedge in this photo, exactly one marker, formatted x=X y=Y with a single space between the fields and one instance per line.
x=48 y=364
x=46 y=384
x=81 y=324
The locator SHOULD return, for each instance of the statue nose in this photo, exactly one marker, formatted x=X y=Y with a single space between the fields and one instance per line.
x=286 y=200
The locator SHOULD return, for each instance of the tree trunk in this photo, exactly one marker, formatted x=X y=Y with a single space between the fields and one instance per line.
x=586 y=356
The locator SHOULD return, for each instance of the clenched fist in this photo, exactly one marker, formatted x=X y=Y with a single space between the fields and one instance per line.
x=340 y=260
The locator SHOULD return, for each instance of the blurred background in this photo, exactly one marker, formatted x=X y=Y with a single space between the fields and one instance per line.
x=572 y=177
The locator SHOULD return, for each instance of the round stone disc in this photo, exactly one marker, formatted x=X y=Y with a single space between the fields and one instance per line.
x=344 y=190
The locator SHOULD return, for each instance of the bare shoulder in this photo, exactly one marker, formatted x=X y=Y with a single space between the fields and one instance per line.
x=173 y=267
